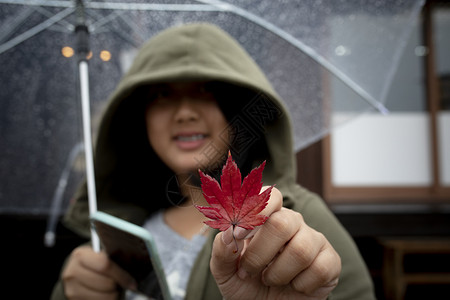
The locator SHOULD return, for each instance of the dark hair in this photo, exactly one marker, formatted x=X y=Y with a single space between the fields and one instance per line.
x=246 y=128
x=140 y=170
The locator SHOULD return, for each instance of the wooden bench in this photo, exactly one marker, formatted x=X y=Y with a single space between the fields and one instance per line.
x=395 y=279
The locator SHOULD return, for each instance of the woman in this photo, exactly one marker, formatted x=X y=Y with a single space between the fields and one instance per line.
x=191 y=95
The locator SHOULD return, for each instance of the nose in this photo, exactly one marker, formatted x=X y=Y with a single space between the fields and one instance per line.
x=186 y=111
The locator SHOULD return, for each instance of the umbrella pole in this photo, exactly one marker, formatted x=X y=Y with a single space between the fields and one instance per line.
x=82 y=34
x=86 y=114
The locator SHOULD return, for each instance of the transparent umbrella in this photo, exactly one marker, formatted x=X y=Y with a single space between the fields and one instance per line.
x=324 y=58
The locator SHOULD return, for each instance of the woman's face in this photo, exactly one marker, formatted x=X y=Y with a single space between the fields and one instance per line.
x=186 y=127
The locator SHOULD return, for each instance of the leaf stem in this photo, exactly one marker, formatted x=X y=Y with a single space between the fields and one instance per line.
x=234 y=239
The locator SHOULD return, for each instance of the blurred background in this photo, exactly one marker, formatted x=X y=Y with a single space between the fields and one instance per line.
x=385 y=176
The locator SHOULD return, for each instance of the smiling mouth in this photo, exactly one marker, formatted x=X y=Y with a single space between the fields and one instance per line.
x=190 y=138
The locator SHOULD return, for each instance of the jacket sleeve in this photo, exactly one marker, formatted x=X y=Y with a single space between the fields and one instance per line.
x=58 y=292
x=58 y=289
x=355 y=282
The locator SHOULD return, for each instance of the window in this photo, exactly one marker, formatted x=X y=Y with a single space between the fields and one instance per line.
x=404 y=156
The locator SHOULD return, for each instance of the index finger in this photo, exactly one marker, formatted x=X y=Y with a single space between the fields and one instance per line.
x=269 y=241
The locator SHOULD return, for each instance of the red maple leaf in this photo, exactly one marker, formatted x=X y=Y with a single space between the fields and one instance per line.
x=232 y=203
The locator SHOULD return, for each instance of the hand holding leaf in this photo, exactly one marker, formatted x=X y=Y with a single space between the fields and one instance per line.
x=234 y=203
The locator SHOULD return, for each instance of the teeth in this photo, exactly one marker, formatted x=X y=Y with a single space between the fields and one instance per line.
x=190 y=138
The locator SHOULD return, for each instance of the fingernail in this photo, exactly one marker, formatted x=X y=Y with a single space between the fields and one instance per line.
x=227 y=236
x=240 y=233
x=242 y=274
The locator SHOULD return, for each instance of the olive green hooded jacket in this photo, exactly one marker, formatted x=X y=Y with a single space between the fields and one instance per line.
x=129 y=176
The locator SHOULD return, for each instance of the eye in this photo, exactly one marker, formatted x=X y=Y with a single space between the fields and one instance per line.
x=203 y=89
x=204 y=93
x=207 y=88
x=161 y=95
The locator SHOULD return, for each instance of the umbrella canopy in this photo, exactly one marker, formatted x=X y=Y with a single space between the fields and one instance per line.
x=322 y=57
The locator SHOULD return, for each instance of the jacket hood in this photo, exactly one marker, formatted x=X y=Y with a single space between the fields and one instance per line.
x=193 y=52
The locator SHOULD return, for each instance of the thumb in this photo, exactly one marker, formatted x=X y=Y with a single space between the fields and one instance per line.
x=225 y=256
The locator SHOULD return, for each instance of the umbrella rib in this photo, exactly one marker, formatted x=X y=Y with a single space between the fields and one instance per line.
x=116 y=5
x=134 y=28
x=302 y=47
x=49 y=237
x=35 y=30
x=95 y=28
x=54 y=3
x=104 y=20
x=151 y=6
x=10 y=28
x=62 y=22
